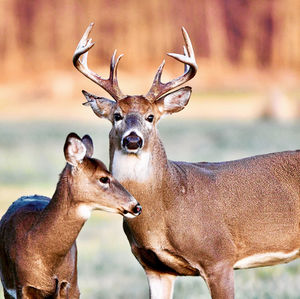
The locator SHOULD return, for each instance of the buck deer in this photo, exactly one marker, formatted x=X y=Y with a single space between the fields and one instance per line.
x=201 y=218
x=38 y=255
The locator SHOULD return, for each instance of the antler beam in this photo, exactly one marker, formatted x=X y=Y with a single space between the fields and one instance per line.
x=80 y=62
x=190 y=69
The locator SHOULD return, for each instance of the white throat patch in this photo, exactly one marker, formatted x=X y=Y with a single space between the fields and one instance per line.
x=131 y=167
x=84 y=211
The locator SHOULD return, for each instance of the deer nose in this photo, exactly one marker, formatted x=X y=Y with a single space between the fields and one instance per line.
x=137 y=210
x=132 y=141
x=133 y=212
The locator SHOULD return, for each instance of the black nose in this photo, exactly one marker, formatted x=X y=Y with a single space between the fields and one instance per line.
x=137 y=209
x=132 y=141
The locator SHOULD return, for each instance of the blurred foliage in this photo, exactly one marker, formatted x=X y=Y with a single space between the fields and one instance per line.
x=36 y=35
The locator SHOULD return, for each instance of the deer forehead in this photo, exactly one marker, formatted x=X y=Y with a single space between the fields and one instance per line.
x=93 y=167
x=135 y=104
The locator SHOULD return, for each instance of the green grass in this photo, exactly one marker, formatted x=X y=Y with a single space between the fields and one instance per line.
x=31 y=158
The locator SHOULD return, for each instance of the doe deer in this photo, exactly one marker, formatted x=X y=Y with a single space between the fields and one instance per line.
x=201 y=218
x=38 y=254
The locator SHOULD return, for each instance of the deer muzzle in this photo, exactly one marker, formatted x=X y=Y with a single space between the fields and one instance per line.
x=135 y=211
x=132 y=142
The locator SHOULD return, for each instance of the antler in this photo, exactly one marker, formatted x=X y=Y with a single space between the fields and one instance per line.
x=190 y=69
x=110 y=84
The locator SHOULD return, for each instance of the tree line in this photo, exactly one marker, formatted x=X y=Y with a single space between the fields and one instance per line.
x=36 y=34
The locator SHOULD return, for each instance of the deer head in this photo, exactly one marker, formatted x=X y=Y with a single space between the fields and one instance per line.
x=134 y=118
x=92 y=185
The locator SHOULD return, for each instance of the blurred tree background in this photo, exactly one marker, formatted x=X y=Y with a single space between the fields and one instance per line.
x=249 y=48
x=41 y=35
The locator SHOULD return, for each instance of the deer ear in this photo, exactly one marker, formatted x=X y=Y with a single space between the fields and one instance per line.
x=174 y=101
x=88 y=142
x=102 y=107
x=74 y=149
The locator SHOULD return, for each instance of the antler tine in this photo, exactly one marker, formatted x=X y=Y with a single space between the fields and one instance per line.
x=113 y=73
x=80 y=62
x=157 y=78
x=190 y=69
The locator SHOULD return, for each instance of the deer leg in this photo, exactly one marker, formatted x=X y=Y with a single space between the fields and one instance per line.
x=160 y=285
x=221 y=283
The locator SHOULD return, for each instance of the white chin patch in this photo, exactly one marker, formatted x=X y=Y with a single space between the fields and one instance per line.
x=131 y=151
x=128 y=215
x=126 y=166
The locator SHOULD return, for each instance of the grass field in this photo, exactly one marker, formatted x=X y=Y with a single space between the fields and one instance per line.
x=31 y=158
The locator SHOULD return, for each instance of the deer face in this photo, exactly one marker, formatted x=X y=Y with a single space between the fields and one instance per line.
x=92 y=186
x=132 y=124
x=134 y=118
x=133 y=121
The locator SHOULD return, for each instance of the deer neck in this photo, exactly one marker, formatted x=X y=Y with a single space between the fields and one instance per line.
x=145 y=167
x=59 y=224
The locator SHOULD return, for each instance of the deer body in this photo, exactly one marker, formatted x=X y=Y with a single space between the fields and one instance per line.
x=199 y=206
x=38 y=234
x=25 y=251
x=202 y=218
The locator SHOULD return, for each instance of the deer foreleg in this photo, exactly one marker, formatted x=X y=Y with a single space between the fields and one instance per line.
x=160 y=285
x=221 y=283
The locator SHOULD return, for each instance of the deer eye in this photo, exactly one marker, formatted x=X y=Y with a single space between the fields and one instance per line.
x=150 y=118
x=117 y=116
x=104 y=180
